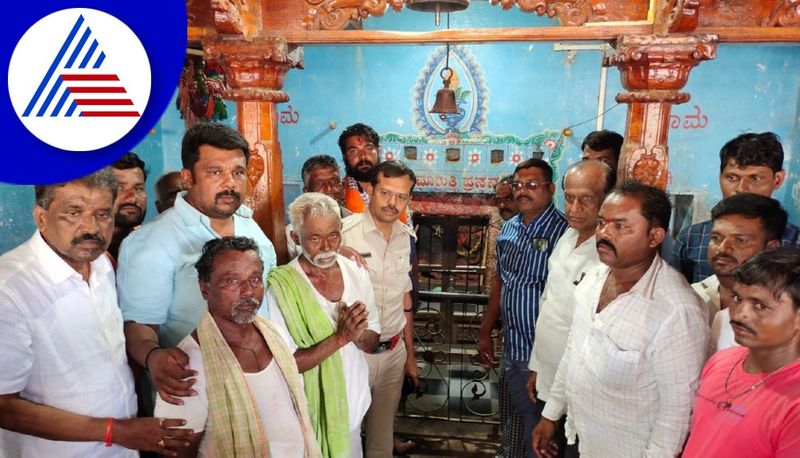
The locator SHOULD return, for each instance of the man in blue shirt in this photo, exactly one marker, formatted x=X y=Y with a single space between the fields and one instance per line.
x=523 y=248
x=749 y=163
x=157 y=280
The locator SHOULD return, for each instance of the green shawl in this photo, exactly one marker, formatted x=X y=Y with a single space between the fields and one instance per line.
x=309 y=325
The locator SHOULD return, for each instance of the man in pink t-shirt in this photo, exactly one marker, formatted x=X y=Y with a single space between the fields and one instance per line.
x=748 y=400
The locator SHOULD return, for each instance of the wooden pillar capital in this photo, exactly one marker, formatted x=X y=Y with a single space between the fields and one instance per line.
x=653 y=70
x=254 y=69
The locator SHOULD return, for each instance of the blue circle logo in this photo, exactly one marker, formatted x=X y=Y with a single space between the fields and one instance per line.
x=86 y=85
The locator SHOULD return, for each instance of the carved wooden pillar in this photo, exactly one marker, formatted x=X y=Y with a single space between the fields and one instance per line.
x=653 y=70
x=254 y=72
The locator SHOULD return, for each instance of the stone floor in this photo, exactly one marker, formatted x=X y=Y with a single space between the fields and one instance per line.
x=436 y=438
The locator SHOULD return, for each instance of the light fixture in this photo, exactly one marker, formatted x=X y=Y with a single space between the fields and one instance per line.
x=437 y=6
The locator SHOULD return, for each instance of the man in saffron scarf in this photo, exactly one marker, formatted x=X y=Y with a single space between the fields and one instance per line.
x=360 y=146
x=326 y=303
x=250 y=400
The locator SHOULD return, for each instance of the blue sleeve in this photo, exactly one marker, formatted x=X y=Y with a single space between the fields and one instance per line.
x=145 y=279
x=678 y=260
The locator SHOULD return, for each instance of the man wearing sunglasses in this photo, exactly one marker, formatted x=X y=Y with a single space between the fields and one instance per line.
x=523 y=248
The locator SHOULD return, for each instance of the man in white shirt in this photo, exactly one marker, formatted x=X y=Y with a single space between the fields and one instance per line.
x=637 y=342
x=250 y=398
x=741 y=226
x=585 y=185
x=66 y=389
x=325 y=302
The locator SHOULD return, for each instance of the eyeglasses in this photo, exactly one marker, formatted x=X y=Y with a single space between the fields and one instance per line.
x=369 y=148
x=233 y=283
x=532 y=185
x=388 y=195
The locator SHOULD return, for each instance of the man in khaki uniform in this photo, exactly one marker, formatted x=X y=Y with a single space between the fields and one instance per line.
x=385 y=243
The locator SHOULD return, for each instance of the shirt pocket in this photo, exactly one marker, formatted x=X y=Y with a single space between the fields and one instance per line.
x=613 y=366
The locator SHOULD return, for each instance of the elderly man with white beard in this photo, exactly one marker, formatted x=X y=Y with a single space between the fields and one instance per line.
x=325 y=302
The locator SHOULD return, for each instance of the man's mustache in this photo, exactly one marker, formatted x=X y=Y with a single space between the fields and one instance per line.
x=364 y=162
x=739 y=323
x=246 y=302
x=608 y=244
x=88 y=237
x=723 y=256
x=131 y=206
x=229 y=192
x=390 y=208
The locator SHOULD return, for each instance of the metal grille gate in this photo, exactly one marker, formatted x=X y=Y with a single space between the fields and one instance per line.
x=451 y=254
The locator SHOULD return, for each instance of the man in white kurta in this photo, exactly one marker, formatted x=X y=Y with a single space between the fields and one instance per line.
x=356 y=373
x=585 y=185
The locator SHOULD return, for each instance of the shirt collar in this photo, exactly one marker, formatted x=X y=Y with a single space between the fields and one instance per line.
x=369 y=224
x=545 y=215
x=192 y=216
x=56 y=267
x=646 y=286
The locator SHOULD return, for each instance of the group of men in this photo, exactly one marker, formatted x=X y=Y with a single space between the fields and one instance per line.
x=604 y=342
x=606 y=346
x=233 y=356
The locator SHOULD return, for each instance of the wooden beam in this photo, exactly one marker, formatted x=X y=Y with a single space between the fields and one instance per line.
x=753 y=34
x=517 y=34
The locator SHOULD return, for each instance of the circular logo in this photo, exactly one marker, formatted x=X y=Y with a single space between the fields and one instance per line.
x=79 y=79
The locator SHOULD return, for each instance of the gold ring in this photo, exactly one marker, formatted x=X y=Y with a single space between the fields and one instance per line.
x=162 y=444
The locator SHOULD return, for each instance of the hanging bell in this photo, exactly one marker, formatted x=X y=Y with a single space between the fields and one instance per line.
x=445 y=97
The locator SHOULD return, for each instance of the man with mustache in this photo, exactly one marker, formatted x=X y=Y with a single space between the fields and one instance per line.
x=131 y=203
x=320 y=173
x=523 y=247
x=66 y=388
x=748 y=399
x=250 y=398
x=751 y=162
x=156 y=279
x=360 y=145
x=326 y=304
x=504 y=198
x=511 y=429
x=638 y=340
x=585 y=185
x=741 y=226
x=385 y=243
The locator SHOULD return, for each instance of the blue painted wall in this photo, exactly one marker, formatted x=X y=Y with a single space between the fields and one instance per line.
x=531 y=89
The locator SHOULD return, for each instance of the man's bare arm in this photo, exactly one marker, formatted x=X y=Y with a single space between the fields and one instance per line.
x=27 y=417
x=169 y=367
x=490 y=317
x=411 y=369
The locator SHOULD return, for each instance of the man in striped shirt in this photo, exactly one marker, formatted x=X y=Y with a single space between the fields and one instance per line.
x=523 y=248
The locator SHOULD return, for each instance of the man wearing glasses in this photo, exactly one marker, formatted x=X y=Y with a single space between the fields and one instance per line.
x=523 y=248
x=385 y=243
x=748 y=401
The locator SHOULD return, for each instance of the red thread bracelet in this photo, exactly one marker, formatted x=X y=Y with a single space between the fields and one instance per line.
x=109 y=428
